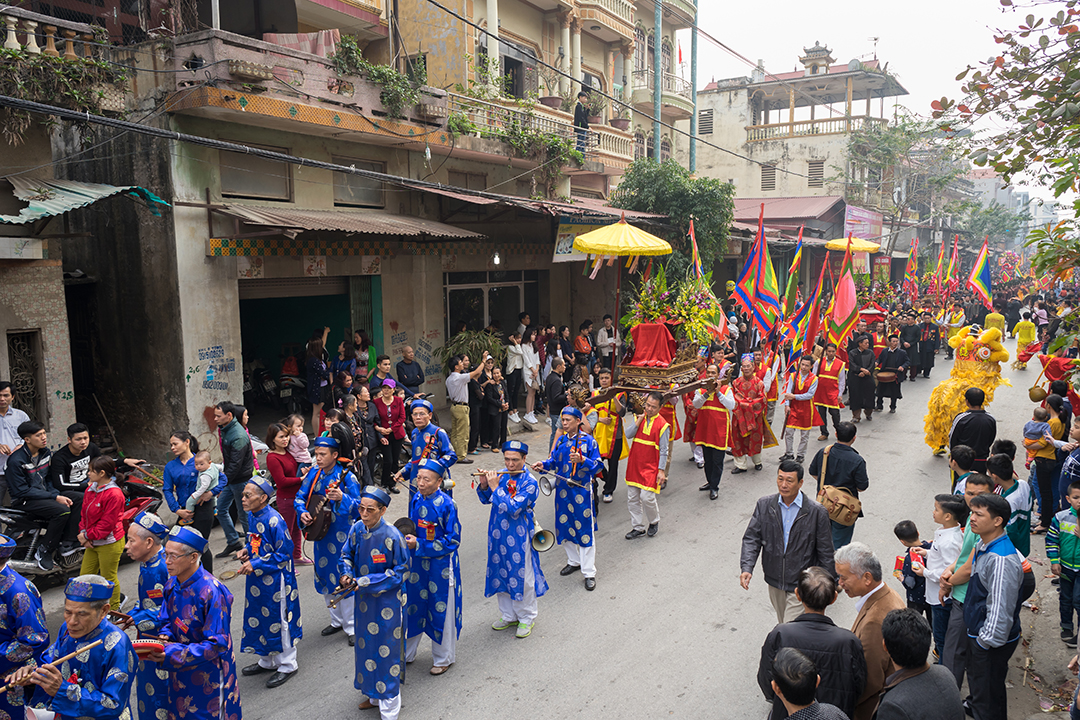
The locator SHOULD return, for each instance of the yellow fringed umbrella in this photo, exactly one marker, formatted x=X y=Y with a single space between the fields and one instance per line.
x=857 y=245
x=620 y=240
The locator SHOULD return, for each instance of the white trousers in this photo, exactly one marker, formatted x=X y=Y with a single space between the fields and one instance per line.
x=582 y=557
x=389 y=709
x=284 y=661
x=525 y=609
x=638 y=500
x=789 y=440
x=444 y=653
x=342 y=616
x=699 y=454
x=743 y=462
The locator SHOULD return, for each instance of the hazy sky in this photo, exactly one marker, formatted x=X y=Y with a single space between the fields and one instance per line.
x=926 y=44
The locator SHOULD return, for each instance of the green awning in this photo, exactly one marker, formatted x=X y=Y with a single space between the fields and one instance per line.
x=56 y=197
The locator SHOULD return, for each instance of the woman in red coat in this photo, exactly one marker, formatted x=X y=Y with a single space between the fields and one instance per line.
x=283 y=469
x=390 y=428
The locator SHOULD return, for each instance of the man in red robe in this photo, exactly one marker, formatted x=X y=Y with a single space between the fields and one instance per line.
x=748 y=418
x=801 y=414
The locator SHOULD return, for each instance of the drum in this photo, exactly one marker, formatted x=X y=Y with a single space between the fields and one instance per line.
x=886 y=376
x=146 y=647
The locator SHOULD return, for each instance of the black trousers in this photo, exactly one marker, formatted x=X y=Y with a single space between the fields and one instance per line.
x=390 y=454
x=203 y=521
x=474 y=425
x=714 y=466
x=881 y=390
x=834 y=413
x=63 y=520
x=986 y=673
x=612 y=474
x=494 y=429
x=513 y=387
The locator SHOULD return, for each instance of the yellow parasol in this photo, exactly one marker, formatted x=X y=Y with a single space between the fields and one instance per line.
x=857 y=245
x=620 y=240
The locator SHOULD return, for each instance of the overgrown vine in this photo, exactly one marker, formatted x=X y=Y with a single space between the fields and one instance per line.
x=399 y=91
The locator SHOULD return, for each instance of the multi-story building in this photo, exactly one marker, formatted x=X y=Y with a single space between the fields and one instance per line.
x=797 y=121
x=258 y=250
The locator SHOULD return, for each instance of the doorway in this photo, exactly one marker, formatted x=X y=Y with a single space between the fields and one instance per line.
x=475 y=300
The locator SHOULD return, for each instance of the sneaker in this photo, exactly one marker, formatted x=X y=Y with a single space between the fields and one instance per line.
x=502 y=624
x=514 y=417
x=69 y=549
x=45 y=561
x=531 y=419
x=523 y=630
x=651 y=532
x=1069 y=638
x=607 y=498
x=123 y=602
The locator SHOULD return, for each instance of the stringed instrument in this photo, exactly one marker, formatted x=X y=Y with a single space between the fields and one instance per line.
x=322 y=516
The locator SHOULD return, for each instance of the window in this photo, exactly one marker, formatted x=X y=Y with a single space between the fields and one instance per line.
x=249 y=176
x=639 y=145
x=768 y=176
x=813 y=69
x=416 y=68
x=665 y=148
x=476 y=299
x=357 y=191
x=27 y=376
x=815 y=173
x=639 y=49
x=590 y=81
x=704 y=122
x=523 y=188
x=665 y=56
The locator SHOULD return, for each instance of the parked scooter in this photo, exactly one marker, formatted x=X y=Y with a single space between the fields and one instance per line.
x=292 y=390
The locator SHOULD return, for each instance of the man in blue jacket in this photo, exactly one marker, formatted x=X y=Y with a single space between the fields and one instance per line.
x=992 y=606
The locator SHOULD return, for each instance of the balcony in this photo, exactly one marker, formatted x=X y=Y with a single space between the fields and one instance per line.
x=607 y=150
x=234 y=78
x=608 y=20
x=802 y=128
x=683 y=14
x=676 y=95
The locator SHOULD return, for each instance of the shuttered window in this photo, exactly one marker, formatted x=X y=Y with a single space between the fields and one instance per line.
x=815 y=173
x=704 y=123
x=768 y=177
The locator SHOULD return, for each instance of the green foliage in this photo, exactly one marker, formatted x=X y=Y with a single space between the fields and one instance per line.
x=595 y=103
x=73 y=84
x=669 y=189
x=486 y=82
x=473 y=343
x=459 y=124
x=551 y=152
x=399 y=92
x=995 y=221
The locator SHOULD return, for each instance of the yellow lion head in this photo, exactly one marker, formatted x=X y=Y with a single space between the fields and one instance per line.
x=984 y=348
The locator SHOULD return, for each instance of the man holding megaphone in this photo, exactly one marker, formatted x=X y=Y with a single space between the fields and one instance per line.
x=513 y=569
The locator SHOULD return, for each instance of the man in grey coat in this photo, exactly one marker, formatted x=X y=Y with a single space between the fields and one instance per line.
x=790 y=532
x=918 y=690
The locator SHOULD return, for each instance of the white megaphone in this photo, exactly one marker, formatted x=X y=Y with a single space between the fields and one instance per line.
x=542 y=540
x=547 y=484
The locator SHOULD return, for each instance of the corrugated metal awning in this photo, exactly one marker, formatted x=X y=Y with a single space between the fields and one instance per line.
x=785 y=208
x=367 y=222
x=46 y=198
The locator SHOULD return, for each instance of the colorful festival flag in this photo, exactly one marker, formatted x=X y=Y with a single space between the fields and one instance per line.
x=791 y=297
x=806 y=322
x=756 y=290
x=699 y=271
x=911 y=272
x=935 y=283
x=845 y=311
x=952 y=281
x=979 y=282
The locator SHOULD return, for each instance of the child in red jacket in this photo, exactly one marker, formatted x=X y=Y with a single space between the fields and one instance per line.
x=101 y=526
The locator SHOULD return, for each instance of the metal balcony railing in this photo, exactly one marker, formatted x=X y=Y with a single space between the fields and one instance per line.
x=672 y=84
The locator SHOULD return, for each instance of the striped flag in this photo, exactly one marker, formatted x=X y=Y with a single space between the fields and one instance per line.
x=845 y=311
x=911 y=272
x=935 y=284
x=806 y=322
x=979 y=282
x=699 y=271
x=791 y=297
x=952 y=282
x=756 y=290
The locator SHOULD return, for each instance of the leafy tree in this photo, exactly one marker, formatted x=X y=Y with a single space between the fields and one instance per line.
x=1032 y=88
x=995 y=221
x=669 y=188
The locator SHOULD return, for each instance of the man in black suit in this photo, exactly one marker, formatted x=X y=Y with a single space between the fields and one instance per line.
x=581 y=120
x=895 y=360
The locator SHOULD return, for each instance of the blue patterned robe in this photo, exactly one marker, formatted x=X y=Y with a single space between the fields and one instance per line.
x=381 y=557
x=151 y=679
x=346 y=512
x=510 y=531
x=272 y=595
x=98 y=686
x=434 y=562
x=199 y=652
x=573 y=505
x=23 y=635
x=441 y=450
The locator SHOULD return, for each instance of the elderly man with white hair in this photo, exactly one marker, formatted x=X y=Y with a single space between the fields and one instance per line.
x=860 y=576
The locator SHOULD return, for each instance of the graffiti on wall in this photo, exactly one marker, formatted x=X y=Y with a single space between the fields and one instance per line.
x=218 y=368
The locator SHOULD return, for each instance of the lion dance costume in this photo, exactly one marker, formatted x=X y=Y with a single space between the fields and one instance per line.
x=979 y=354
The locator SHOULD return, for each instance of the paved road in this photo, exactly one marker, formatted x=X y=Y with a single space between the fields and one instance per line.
x=668 y=631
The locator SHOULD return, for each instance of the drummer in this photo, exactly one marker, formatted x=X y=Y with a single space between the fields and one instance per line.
x=342 y=493
x=145 y=538
x=23 y=633
x=95 y=683
x=893 y=364
x=575 y=456
x=272 y=602
x=195 y=624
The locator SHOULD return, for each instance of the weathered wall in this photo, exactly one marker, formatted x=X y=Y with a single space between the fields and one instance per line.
x=131 y=253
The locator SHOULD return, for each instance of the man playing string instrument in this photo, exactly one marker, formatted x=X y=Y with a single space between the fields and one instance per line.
x=342 y=493
x=429 y=441
x=577 y=457
x=96 y=683
x=513 y=568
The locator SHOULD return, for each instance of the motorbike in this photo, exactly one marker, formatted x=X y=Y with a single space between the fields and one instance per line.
x=260 y=387
x=292 y=390
x=28 y=531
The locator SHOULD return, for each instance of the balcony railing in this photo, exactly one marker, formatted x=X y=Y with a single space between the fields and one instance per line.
x=801 y=128
x=615 y=14
x=492 y=119
x=672 y=84
x=38 y=34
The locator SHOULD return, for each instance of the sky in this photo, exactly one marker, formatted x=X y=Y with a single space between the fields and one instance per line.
x=926 y=44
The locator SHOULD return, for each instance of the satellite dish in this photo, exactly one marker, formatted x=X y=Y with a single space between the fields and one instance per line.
x=854 y=65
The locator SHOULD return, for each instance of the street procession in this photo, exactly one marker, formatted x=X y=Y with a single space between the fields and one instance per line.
x=592 y=358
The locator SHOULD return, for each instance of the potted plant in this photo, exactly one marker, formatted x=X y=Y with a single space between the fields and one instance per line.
x=595 y=103
x=620 y=119
x=473 y=343
x=551 y=86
